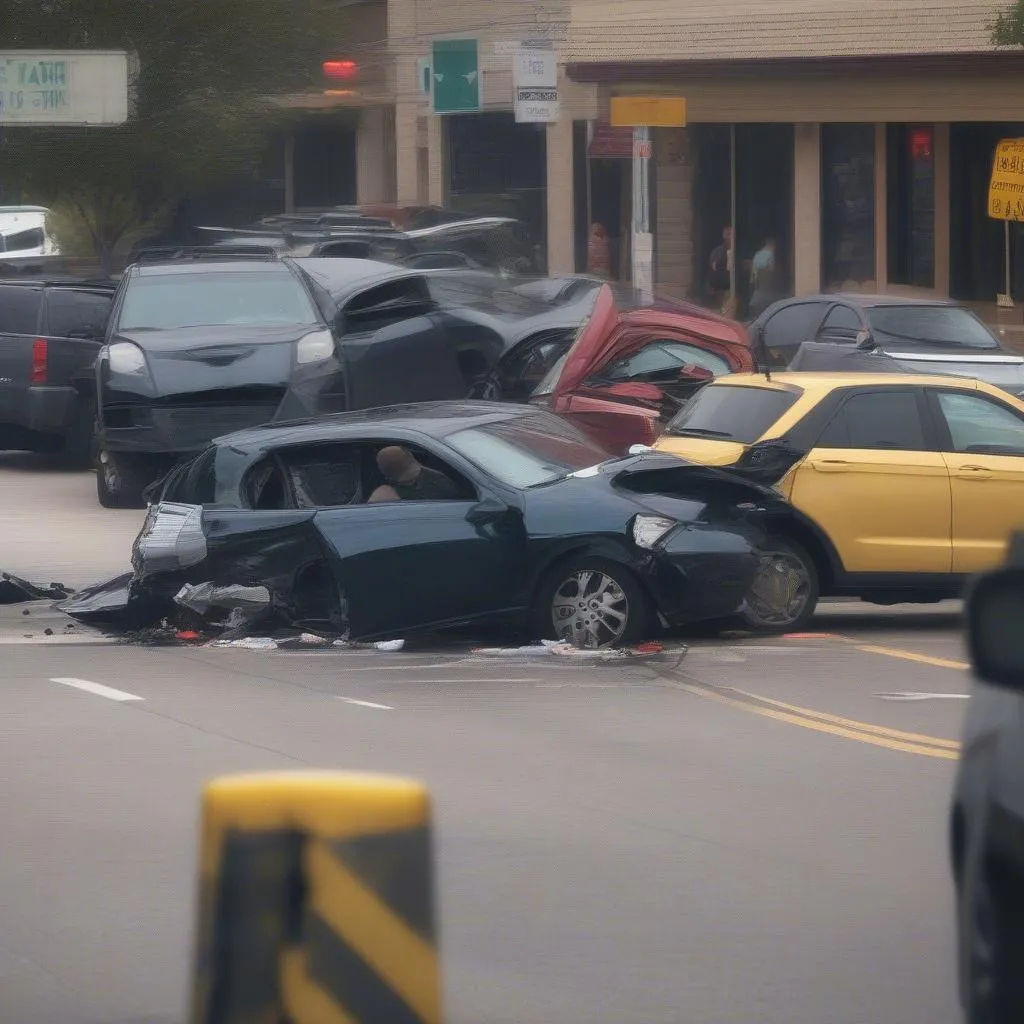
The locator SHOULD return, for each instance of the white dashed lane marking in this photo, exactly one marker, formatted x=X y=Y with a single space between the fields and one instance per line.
x=367 y=704
x=97 y=689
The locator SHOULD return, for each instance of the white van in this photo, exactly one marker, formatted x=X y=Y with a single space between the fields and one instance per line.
x=23 y=232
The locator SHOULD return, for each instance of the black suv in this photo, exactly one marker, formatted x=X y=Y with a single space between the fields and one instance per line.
x=200 y=343
x=51 y=330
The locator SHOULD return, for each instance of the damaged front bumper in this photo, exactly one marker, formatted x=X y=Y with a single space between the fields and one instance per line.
x=702 y=571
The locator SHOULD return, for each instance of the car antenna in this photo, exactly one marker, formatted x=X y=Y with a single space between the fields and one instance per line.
x=762 y=353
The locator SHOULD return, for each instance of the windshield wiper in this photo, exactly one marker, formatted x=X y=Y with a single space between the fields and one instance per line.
x=702 y=432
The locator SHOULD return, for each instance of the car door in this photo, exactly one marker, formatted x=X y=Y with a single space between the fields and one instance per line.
x=876 y=484
x=982 y=442
x=786 y=329
x=406 y=565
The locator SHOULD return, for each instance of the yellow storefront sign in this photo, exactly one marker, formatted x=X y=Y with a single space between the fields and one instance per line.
x=648 y=112
x=1006 y=190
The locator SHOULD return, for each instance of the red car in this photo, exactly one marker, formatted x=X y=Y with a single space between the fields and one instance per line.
x=627 y=373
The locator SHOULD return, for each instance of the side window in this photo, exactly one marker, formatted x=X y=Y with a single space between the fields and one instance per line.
x=323 y=475
x=878 y=420
x=19 y=309
x=387 y=304
x=793 y=325
x=71 y=313
x=430 y=478
x=978 y=425
x=665 y=357
x=528 y=367
x=264 y=487
x=842 y=325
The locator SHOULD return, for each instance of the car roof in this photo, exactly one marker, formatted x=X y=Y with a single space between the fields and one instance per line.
x=205 y=266
x=432 y=419
x=823 y=383
x=867 y=301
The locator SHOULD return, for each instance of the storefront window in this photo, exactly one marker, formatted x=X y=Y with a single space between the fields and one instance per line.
x=848 y=206
x=910 y=173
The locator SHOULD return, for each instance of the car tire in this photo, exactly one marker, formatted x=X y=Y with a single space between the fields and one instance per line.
x=613 y=611
x=993 y=938
x=775 y=604
x=120 y=480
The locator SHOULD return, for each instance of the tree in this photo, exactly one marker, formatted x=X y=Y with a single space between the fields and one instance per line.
x=199 y=110
x=1008 y=28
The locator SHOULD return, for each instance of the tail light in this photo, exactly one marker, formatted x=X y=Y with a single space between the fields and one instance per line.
x=172 y=538
x=39 y=359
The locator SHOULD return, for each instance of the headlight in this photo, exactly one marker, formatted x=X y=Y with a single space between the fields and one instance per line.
x=648 y=530
x=315 y=347
x=124 y=357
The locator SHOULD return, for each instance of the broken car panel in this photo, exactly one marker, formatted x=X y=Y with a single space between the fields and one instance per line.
x=627 y=374
x=544 y=530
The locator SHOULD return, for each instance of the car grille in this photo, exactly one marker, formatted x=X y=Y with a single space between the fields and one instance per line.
x=202 y=423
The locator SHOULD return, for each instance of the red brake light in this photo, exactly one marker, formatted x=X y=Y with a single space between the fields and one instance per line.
x=340 y=70
x=38 y=375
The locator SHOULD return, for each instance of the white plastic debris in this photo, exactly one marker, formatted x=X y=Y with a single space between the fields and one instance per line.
x=380 y=645
x=249 y=643
x=560 y=648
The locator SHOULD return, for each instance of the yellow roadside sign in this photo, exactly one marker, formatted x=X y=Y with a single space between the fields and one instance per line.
x=647 y=111
x=1006 y=190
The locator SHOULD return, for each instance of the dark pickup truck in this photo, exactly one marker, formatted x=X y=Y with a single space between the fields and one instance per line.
x=50 y=333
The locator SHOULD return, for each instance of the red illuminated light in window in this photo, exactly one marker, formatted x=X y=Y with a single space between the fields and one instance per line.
x=340 y=70
x=921 y=143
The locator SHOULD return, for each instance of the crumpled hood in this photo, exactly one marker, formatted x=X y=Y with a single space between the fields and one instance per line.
x=205 y=358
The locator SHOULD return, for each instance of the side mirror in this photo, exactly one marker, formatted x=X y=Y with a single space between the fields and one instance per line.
x=995 y=639
x=865 y=342
x=486 y=511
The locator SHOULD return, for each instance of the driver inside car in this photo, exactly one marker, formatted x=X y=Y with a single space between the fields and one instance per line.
x=407 y=480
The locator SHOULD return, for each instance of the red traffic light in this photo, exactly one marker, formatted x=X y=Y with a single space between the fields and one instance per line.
x=340 y=70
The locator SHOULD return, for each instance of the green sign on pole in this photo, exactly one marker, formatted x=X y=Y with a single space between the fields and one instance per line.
x=455 y=77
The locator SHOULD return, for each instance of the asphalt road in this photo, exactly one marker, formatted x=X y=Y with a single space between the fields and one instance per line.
x=749 y=831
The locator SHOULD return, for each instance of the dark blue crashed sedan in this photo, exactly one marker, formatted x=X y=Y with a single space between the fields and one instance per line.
x=497 y=513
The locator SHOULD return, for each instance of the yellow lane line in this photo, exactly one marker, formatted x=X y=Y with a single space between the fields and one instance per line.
x=922 y=659
x=861 y=735
x=854 y=724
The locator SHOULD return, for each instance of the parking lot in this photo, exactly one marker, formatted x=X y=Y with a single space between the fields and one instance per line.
x=735 y=830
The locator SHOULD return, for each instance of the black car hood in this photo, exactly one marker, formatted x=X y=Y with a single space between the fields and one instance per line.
x=205 y=358
x=654 y=471
x=994 y=366
x=1001 y=369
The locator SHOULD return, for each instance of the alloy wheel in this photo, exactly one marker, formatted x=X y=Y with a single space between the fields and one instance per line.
x=590 y=609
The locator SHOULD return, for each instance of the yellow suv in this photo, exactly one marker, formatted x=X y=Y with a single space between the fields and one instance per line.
x=904 y=485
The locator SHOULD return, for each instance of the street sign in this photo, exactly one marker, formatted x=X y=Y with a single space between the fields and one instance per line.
x=648 y=111
x=608 y=143
x=1006 y=188
x=535 y=80
x=455 y=77
x=65 y=87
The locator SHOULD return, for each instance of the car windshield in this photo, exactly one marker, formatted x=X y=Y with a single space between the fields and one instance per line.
x=204 y=300
x=527 y=453
x=731 y=413
x=934 y=325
